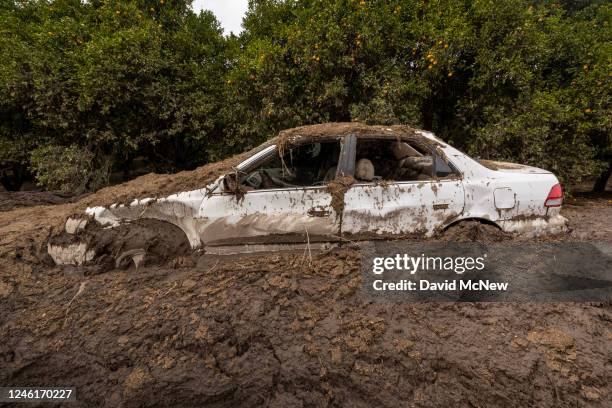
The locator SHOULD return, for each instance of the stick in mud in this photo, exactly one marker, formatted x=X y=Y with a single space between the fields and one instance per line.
x=81 y=289
x=308 y=247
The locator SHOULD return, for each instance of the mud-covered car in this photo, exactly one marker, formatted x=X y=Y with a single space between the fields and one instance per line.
x=327 y=183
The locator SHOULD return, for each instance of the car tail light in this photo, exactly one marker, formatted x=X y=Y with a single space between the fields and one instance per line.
x=555 y=197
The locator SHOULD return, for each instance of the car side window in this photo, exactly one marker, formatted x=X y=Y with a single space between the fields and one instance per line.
x=442 y=168
x=310 y=164
x=392 y=160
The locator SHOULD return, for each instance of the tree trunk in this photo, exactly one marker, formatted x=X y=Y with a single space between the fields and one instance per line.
x=12 y=179
x=602 y=180
x=428 y=112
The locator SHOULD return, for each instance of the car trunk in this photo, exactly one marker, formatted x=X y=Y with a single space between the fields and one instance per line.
x=507 y=167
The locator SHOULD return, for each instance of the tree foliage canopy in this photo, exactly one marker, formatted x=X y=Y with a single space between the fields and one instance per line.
x=111 y=80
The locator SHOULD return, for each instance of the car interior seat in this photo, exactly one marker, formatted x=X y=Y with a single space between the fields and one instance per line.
x=411 y=164
x=364 y=170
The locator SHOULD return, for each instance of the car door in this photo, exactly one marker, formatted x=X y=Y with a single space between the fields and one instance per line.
x=280 y=213
x=402 y=206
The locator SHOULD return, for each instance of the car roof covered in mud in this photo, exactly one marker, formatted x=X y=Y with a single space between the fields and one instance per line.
x=328 y=131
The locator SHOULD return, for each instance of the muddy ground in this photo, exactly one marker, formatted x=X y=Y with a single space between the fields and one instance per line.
x=280 y=330
x=9 y=200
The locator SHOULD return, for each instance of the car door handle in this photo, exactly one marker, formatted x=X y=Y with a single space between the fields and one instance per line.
x=440 y=206
x=318 y=212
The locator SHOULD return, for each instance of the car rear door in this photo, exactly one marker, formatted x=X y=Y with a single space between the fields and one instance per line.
x=270 y=215
x=397 y=207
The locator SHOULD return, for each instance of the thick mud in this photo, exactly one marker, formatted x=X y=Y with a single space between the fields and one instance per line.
x=10 y=200
x=25 y=229
x=473 y=231
x=284 y=330
x=143 y=242
x=337 y=189
x=281 y=329
x=590 y=217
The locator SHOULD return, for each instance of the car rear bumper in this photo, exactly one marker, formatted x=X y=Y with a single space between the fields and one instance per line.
x=536 y=225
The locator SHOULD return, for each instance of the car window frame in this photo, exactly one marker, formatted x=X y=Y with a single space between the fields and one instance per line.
x=434 y=152
x=257 y=159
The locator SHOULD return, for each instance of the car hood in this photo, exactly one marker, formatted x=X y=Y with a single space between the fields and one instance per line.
x=507 y=167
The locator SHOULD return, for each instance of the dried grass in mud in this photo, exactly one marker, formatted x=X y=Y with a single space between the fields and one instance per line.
x=282 y=329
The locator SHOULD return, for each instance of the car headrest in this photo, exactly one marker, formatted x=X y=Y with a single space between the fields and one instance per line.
x=402 y=149
x=364 y=170
x=424 y=163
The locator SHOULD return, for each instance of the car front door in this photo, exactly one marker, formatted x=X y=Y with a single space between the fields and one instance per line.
x=413 y=191
x=278 y=200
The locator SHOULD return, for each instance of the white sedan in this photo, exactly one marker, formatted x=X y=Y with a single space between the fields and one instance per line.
x=337 y=181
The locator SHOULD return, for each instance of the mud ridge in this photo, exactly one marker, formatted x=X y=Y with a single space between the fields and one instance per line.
x=280 y=330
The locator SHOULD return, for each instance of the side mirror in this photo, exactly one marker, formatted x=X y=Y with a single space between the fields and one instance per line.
x=229 y=182
x=230 y=185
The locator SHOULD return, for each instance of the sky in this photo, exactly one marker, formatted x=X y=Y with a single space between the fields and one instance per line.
x=228 y=12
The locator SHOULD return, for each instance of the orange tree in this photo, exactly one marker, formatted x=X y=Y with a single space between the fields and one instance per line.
x=508 y=79
x=87 y=86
